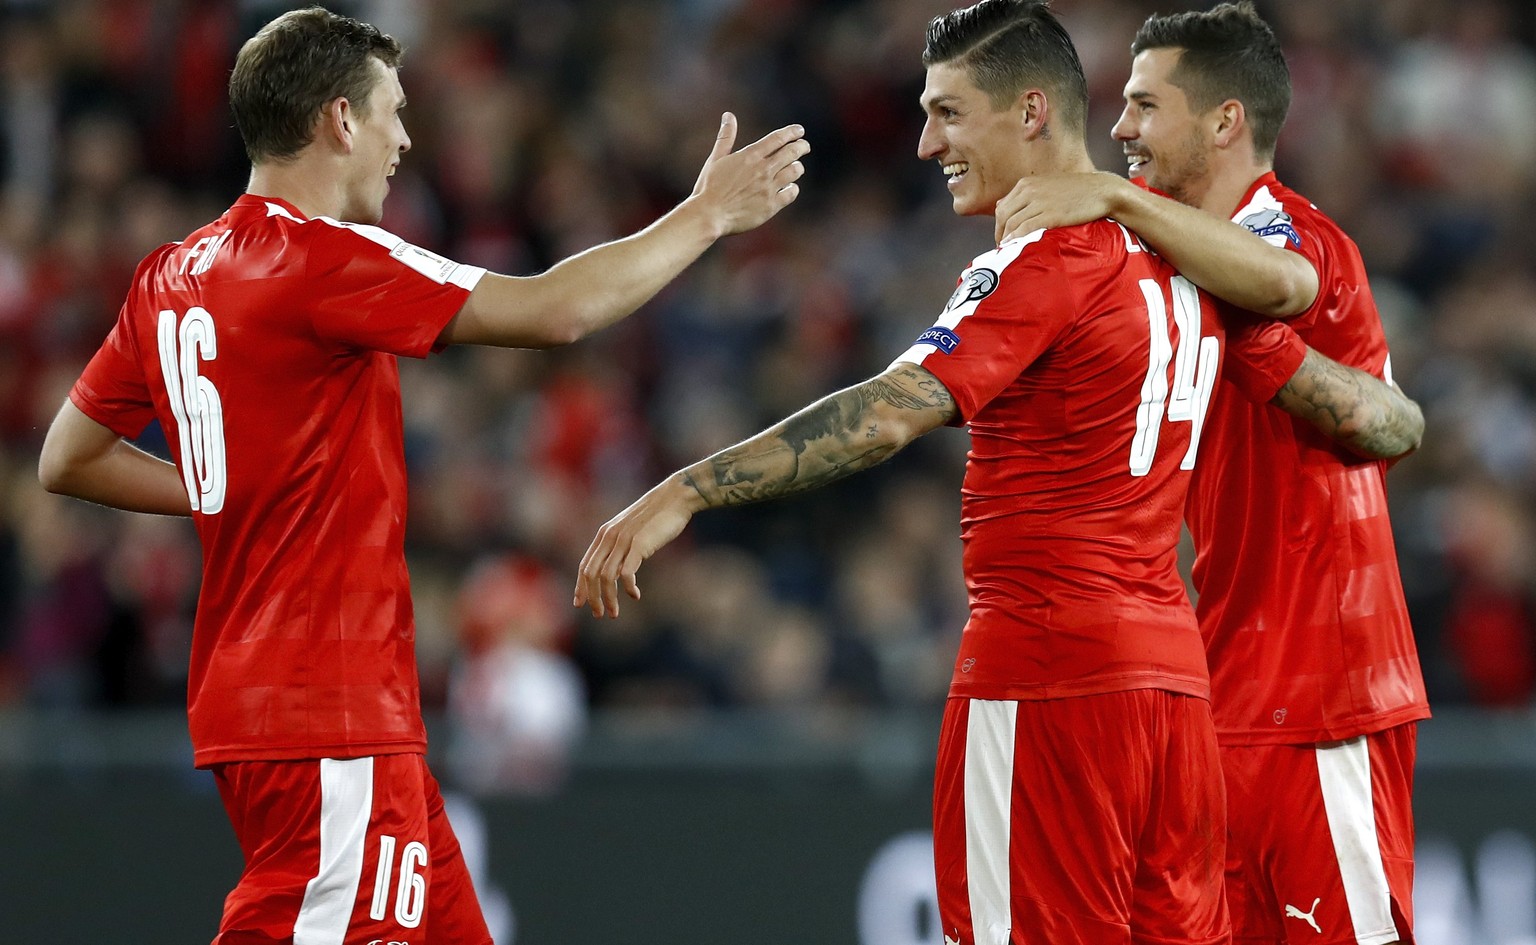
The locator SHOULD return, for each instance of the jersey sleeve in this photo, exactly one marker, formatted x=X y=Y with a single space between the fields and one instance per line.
x=1009 y=306
x=1293 y=228
x=376 y=291
x=112 y=391
x=1262 y=354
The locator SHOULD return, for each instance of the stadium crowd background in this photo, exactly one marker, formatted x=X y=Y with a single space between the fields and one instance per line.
x=543 y=127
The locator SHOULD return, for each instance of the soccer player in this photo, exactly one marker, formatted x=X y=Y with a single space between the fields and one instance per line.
x=1315 y=678
x=1078 y=797
x=265 y=345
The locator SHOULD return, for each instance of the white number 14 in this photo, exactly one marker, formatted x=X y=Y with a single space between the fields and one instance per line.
x=1194 y=373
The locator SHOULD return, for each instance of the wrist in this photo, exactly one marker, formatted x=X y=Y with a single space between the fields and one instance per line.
x=698 y=216
x=692 y=489
x=1122 y=197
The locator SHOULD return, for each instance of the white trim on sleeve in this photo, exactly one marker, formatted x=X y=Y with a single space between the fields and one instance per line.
x=996 y=260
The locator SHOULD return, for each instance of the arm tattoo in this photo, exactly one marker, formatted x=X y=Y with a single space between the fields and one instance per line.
x=1367 y=415
x=850 y=430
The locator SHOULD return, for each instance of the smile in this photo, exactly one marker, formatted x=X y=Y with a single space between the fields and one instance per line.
x=957 y=170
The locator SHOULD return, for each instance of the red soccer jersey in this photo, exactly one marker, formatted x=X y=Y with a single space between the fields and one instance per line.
x=1300 y=601
x=1083 y=366
x=265 y=345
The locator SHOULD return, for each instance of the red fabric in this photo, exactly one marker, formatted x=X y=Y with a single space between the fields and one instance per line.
x=304 y=639
x=1282 y=854
x=1263 y=354
x=276 y=809
x=1069 y=555
x=1300 y=601
x=1116 y=821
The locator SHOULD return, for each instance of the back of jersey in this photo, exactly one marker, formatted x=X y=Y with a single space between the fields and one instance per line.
x=1083 y=366
x=264 y=344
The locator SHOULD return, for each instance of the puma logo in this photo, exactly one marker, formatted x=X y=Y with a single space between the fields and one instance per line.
x=1291 y=912
x=952 y=941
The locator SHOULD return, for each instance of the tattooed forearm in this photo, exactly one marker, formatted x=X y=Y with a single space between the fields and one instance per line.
x=1367 y=415
x=851 y=430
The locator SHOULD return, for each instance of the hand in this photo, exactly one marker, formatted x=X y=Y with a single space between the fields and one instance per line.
x=1054 y=200
x=626 y=540
x=743 y=189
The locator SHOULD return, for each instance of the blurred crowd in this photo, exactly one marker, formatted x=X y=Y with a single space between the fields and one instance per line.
x=545 y=126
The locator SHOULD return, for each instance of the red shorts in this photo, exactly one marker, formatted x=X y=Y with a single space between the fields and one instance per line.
x=1320 y=848
x=1093 y=820
x=345 y=852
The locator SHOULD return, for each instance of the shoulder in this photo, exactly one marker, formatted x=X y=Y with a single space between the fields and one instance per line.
x=1285 y=218
x=1051 y=246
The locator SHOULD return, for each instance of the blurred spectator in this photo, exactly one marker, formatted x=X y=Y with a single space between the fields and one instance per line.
x=516 y=703
x=546 y=126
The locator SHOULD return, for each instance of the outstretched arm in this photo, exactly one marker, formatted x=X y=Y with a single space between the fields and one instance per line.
x=84 y=459
x=843 y=433
x=1370 y=416
x=1219 y=256
x=736 y=191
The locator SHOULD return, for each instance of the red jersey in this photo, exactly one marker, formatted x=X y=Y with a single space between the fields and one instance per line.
x=1300 y=601
x=265 y=345
x=1083 y=366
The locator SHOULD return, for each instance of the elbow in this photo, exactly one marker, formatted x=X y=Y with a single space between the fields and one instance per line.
x=1284 y=297
x=566 y=325
x=564 y=331
x=53 y=471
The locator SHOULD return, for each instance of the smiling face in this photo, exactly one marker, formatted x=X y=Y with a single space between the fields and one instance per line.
x=1165 y=142
x=378 y=140
x=980 y=148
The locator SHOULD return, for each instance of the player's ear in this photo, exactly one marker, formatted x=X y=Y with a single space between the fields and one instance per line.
x=1229 y=119
x=337 y=122
x=1034 y=111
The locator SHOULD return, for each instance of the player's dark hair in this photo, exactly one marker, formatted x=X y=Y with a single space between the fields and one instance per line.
x=1008 y=46
x=292 y=68
x=1227 y=52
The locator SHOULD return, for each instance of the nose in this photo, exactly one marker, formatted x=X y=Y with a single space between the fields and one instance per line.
x=405 y=141
x=930 y=144
x=1125 y=127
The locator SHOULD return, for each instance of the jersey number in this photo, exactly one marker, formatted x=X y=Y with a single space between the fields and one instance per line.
x=196 y=405
x=1194 y=373
x=411 y=896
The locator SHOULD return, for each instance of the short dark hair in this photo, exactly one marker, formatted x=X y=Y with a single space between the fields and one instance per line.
x=1227 y=52
x=1008 y=46
x=292 y=67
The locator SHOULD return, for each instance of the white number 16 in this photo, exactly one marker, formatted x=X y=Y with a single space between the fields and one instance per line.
x=195 y=403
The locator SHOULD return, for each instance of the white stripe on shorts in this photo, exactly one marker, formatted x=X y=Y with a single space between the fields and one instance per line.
x=1344 y=770
x=346 y=803
x=989 y=746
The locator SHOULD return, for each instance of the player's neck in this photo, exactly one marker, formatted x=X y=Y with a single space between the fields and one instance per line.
x=297 y=183
x=1229 y=185
x=1067 y=158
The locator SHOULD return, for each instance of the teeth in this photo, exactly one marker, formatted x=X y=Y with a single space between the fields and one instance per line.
x=955 y=170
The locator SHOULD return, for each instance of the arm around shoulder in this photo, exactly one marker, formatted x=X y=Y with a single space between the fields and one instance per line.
x=1221 y=257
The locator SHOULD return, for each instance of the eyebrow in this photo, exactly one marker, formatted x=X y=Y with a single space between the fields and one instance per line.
x=1139 y=96
x=937 y=100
